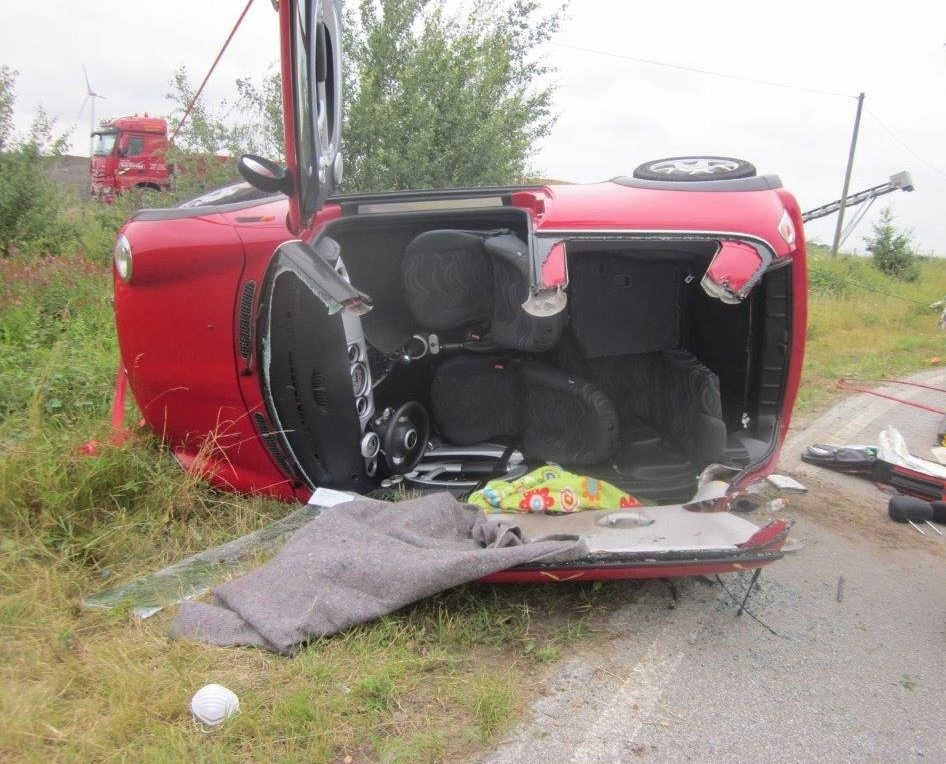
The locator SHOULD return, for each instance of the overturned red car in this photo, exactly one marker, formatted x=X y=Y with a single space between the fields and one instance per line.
x=647 y=331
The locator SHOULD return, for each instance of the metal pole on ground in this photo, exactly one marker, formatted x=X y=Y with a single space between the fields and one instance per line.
x=847 y=177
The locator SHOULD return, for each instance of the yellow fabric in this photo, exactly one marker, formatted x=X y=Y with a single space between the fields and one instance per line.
x=551 y=490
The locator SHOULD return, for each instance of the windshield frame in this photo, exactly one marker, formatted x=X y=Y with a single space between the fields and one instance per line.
x=102 y=138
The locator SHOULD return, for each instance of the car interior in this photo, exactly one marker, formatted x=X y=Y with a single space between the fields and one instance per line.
x=642 y=380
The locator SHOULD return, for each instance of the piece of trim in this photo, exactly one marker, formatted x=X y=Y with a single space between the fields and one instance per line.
x=755 y=183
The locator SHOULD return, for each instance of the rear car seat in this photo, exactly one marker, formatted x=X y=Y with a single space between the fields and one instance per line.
x=549 y=414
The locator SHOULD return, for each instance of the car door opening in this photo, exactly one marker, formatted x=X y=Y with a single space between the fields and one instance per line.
x=643 y=380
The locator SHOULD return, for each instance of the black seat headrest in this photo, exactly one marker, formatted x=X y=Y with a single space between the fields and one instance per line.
x=457 y=278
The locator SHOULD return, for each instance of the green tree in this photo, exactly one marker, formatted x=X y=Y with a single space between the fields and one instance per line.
x=7 y=99
x=433 y=97
x=204 y=131
x=264 y=134
x=436 y=98
x=29 y=201
x=210 y=132
x=252 y=123
x=892 y=249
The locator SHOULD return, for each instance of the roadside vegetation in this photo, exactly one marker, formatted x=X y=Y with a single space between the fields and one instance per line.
x=866 y=325
x=430 y=682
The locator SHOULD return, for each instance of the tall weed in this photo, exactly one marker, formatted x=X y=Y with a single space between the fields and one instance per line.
x=865 y=324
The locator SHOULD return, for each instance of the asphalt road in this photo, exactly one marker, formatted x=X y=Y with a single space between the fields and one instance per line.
x=855 y=670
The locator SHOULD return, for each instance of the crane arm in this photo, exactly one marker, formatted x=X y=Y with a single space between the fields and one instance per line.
x=900 y=181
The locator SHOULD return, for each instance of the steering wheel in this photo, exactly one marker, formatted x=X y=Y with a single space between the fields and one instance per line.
x=405 y=438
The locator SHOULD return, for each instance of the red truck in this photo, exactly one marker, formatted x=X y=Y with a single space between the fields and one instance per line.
x=129 y=152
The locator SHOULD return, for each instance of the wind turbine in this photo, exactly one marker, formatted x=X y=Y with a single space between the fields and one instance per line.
x=90 y=95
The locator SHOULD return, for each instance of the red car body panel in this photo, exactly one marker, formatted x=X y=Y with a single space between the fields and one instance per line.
x=198 y=266
x=188 y=315
x=178 y=322
x=611 y=206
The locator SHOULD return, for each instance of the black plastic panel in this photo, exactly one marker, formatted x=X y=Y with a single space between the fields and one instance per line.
x=309 y=383
x=620 y=305
x=755 y=183
x=271 y=442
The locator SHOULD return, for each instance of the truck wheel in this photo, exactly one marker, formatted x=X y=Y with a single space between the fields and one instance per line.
x=695 y=168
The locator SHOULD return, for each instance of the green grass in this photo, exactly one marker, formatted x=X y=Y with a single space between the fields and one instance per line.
x=429 y=683
x=868 y=326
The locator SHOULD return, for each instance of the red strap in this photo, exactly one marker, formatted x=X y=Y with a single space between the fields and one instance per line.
x=843 y=384
x=118 y=434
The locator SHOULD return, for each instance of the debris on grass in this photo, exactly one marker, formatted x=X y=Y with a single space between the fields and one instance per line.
x=196 y=575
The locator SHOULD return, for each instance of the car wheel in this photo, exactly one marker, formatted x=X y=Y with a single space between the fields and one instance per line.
x=695 y=168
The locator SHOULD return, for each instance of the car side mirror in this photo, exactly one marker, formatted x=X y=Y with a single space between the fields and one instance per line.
x=264 y=174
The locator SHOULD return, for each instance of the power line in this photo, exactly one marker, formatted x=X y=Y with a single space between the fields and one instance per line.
x=866 y=287
x=213 y=66
x=898 y=140
x=697 y=70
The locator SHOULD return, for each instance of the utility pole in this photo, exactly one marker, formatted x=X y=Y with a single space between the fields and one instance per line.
x=847 y=178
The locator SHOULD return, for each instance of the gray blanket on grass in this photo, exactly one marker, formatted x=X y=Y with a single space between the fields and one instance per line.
x=358 y=561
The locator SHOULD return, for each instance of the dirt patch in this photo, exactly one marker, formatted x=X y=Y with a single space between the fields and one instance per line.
x=859 y=518
x=71 y=173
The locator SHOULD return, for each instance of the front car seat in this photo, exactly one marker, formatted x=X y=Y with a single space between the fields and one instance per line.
x=456 y=280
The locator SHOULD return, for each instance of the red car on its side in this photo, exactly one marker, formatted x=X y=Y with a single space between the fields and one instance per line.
x=644 y=331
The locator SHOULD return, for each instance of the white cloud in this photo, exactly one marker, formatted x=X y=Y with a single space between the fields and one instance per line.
x=614 y=113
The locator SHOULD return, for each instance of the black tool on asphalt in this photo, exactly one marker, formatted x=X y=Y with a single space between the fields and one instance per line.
x=939 y=511
x=909 y=509
x=854 y=460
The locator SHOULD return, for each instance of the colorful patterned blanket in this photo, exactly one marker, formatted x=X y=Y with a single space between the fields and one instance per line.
x=553 y=491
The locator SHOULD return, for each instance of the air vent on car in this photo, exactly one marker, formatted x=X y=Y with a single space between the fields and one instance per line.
x=246 y=317
x=319 y=393
x=272 y=444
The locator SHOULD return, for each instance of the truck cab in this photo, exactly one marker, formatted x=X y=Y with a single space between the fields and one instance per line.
x=129 y=152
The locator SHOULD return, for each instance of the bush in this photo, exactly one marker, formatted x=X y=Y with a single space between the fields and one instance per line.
x=29 y=202
x=892 y=249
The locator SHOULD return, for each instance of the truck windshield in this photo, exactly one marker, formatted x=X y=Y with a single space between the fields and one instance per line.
x=104 y=144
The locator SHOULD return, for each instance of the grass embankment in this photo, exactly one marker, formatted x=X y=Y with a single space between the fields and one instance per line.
x=428 y=683
x=866 y=325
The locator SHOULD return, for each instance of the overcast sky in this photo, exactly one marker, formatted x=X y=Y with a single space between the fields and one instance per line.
x=614 y=112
